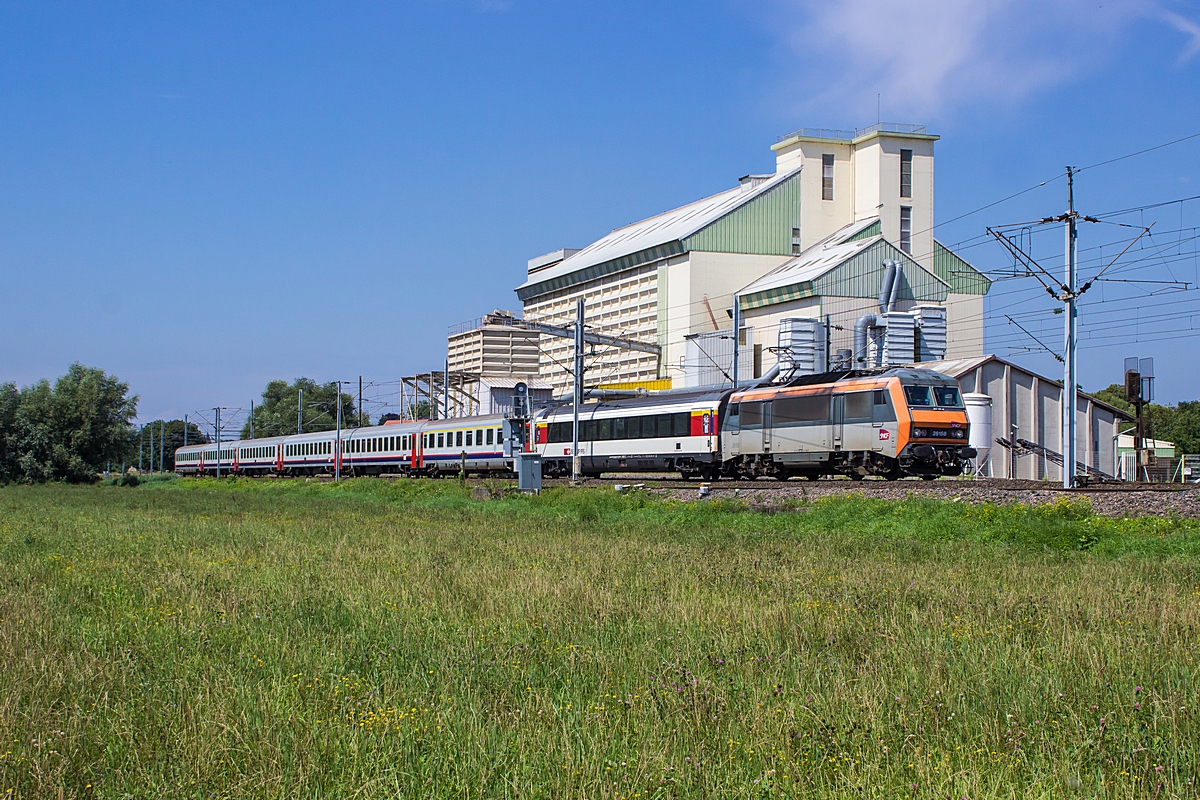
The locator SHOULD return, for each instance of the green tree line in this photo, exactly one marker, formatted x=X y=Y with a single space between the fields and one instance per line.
x=278 y=414
x=68 y=431
x=155 y=443
x=1179 y=423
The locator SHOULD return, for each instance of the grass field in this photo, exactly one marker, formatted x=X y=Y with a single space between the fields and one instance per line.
x=375 y=639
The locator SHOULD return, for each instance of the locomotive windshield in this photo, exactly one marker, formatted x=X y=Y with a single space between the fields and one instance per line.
x=917 y=396
x=947 y=397
x=929 y=396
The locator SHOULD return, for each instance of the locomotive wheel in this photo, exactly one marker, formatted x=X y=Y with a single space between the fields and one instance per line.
x=855 y=476
x=929 y=477
x=813 y=476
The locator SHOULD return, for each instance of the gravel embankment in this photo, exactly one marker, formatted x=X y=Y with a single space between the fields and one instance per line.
x=1161 y=500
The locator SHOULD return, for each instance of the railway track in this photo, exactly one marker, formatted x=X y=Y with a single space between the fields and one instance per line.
x=1113 y=500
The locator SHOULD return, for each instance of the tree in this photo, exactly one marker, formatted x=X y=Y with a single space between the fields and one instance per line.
x=1179 y=424
x=168 y=441
x=66 y=432
x=420 y=410
x=276 y=415
x=10 y=399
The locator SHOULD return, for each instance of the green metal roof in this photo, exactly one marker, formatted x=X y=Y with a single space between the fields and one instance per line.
x=754 y=220
x=859 y=275
x=761 y=227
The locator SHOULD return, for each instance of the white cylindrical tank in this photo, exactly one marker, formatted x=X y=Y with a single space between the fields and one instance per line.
x=979 y=415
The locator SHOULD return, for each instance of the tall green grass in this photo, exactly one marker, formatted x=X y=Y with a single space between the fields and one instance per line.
x=400 y=639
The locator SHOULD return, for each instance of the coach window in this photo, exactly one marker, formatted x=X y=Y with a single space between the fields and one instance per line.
x=441 y=440
x=478 y=437
x=683 y=423
x=799 y=410
x=750 y=415
x=858 y=406
x=665 y=425
x=489 y=435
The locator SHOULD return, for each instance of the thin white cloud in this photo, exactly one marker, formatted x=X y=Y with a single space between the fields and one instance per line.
x=926 y=57
x=1186 y=26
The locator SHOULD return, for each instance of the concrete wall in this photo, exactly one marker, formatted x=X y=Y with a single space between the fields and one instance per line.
x=866 y=182
x=877 y=162
x=658 y=303
x=819 y=217
x=964 y=325
x=622 y=304
x=687 y=280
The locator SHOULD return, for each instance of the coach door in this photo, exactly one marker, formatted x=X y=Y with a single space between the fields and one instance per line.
x=838 y=416
x=768 y=421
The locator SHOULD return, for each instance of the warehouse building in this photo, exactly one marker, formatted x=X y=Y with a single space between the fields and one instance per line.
x=1028 y=406
x=808 y=241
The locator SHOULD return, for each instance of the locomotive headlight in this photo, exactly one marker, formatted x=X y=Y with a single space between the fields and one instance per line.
x=919 y=433
x=957 y=434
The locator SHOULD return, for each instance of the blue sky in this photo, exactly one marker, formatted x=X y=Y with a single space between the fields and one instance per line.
x=203 y=197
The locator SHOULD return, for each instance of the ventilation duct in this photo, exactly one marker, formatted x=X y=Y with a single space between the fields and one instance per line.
x=899 y=343
x=801 y=349
x=862 y=333
x=931 y=343
x=885 y=286
x=897 y=281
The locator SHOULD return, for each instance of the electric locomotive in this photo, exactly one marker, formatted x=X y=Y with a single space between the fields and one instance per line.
x=893 y=423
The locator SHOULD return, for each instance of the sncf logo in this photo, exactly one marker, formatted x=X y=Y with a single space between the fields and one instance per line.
x=884 y=434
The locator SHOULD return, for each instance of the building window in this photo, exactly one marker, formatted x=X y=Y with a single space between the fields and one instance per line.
x=906 y=229
x=906 y=173
x=795 y=241
x=827 y=177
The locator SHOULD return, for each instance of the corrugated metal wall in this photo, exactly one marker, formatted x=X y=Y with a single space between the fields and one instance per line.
x=962 y=277
x=861 y=276
x=761 y=227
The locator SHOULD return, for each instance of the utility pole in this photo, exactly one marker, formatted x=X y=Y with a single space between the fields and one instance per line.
x=217 y=428
x=337 y=453
x=185 y=427
x=162 y=445
x=151 y=462
x=737 y=327
x=141 y=446
x=828 y=340
x=300 y=413
x=1071 y=324
x=446 y=390
x=360 y=419
x=578 y=395
x=251 y=419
